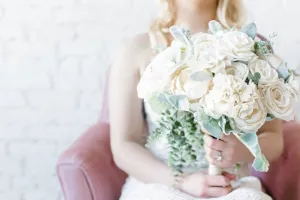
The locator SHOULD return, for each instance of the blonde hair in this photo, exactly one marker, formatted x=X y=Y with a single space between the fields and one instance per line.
x=229 y=14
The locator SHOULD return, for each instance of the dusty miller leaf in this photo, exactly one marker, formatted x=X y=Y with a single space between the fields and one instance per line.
x=180 y=34
x=201 y=116
x=212 y=126
x=222 y=123
x=283 y=72
x=180 y=102
x=250 y=30
x=215 y=27
x=159 y=103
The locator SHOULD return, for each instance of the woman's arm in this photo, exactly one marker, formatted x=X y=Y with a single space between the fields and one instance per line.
x=271 y=140
x=127 y=124
x=127 y=128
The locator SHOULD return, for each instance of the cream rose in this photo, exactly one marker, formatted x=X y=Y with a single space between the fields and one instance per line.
x=238 y=69
x=157 y=75
x=278 y=100
x=227 y=91
x=267 y=73
x=182 y=84
x=251 y=114
x=240 y=44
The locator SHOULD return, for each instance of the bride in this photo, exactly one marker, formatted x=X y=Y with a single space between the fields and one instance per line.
x=149 y=175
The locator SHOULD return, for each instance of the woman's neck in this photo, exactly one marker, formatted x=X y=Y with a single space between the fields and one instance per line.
x=195 y=14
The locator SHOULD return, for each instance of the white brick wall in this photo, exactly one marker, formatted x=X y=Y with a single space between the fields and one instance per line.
x=53 y=59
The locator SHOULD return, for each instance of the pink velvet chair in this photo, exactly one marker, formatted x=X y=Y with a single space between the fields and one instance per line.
x=86 y=170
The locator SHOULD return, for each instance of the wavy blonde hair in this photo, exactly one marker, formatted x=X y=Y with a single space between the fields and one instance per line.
x=229 y=14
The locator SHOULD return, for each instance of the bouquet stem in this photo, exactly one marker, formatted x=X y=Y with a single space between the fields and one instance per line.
x=214 y=170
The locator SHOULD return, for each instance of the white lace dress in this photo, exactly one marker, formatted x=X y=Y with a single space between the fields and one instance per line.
x=246 y=188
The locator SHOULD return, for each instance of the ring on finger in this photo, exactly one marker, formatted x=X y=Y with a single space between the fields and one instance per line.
x=219 y=156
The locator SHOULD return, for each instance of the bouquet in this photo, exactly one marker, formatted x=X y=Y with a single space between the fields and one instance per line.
x=226 y=81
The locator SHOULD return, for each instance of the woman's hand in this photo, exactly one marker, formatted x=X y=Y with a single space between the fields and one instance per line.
x=226 y=152
x=203 y=186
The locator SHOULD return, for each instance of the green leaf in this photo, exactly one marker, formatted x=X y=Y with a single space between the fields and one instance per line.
x=270 y=117
x=201 y=76
x=228 y=129
x=283 y=72
x=179 y=102
x=201 y=117
x=180 y=34
x=250 y=140
x=213 y=128
x=262 y=48
x=215 y=27
x=222 y=123
x=255 y=78
x=250 y=30
x=159 y=103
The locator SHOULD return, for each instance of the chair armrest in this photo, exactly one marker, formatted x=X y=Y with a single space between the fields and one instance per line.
x=283 y=178
x=86 y=170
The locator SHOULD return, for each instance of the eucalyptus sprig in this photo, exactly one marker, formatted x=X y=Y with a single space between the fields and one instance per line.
x=184 y=137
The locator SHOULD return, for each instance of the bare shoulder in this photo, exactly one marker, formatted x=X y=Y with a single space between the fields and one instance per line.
x=136 y=50
x=141 y=41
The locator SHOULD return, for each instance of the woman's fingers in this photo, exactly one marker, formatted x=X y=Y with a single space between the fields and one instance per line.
x=218 y=191
x=214 y=143
x=217 y=181
x=219 y=163
x=229 y=175
x=211 y=155
x=217 y=186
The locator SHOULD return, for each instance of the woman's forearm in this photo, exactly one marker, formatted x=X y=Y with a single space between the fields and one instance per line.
x=271 y=145
x=138 y=162
x=270 y=140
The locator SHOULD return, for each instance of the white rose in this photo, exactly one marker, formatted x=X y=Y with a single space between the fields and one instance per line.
x=157 y=75
x=238 y=69
x=251 y=114
x=203 y=41
x=227 y=91
x=278 y=100
x=211 y=61
x=206 y=54
x=182 y=84
x=267 y=73
x=240 y=44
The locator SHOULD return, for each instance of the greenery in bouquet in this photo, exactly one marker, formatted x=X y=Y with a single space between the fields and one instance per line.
x=226 y=81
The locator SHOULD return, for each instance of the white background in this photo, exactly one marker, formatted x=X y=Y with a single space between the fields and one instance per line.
x=53 y=60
